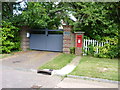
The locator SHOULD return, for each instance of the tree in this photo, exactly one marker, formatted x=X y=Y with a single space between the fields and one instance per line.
x=7 y=9
x=10 y=34
x=96 y=19
x=43 y=15
x=99 y=21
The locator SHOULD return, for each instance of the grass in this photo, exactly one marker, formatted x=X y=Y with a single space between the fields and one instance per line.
x=58 y=62
x=4 y=55
x=97 y=68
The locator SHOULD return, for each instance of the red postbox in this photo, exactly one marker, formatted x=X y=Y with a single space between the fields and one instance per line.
x=79 y=41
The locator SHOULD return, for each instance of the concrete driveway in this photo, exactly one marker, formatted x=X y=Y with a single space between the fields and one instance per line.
x=16 y=70
x=29 y=59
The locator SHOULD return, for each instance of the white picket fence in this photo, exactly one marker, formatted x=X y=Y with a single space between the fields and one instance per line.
x=94 y=43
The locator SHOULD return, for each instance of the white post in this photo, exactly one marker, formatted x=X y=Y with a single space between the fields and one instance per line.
x=93 y=43
x=97 y=46
x=102 y=44
x=86 y=45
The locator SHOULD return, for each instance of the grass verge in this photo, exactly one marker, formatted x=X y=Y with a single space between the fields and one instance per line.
x=97 y=68
x=58 y=62
x=4 y=55
x=10 y=54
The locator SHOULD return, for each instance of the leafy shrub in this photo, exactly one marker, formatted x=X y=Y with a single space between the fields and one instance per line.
x=10 y=37
x=91 y=50
x=109 y=50
x=72 y=50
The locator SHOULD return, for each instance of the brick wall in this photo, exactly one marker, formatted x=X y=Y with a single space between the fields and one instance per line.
x=67 y=38
x=24 y=38
x=72 y=40
x=78 y=51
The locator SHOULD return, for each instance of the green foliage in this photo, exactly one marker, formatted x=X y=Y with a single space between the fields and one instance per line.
x=10 y=37
x=97 y=68
x=72 y=50
x=58 y=62
x=42 y=15
x=99 y=21
x=91 y=50
x=109 y=50
x=96 y=19
x=7 y=10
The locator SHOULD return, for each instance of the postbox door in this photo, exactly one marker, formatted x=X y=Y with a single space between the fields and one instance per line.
x=79 y=41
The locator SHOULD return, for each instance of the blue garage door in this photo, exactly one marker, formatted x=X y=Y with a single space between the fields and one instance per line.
x=50 y=42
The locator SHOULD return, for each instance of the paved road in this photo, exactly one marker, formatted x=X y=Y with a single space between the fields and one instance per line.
x=80 y=83
x=12 y=78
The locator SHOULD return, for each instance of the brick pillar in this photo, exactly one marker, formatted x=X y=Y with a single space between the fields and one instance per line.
x=24 y=38
x=67 y=38
x=78 y=50
x=72 y=40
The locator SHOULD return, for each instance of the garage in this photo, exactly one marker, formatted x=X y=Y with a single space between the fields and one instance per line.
x=49 y=40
